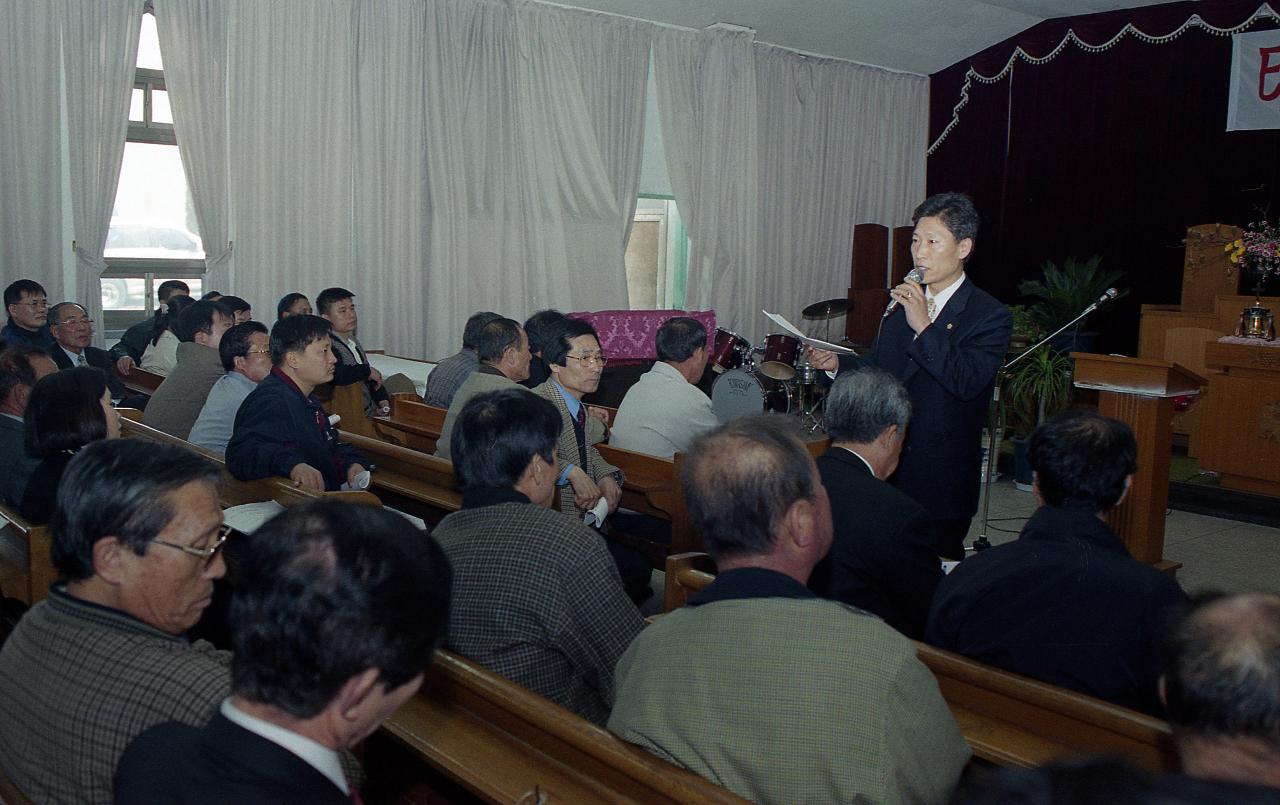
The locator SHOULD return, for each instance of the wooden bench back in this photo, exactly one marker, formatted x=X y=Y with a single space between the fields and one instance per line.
x=507 y=744
x=348 y=403
x=1006 y=718
x=422 y=485
x=36 y=572
x=141 y=381
x=413 y=423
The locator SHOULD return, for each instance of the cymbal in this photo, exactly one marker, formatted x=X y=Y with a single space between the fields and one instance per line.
x=828 y=309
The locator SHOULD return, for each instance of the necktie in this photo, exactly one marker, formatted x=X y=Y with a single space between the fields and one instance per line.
x=931 y=307
x=80 y=361
x=580 y=430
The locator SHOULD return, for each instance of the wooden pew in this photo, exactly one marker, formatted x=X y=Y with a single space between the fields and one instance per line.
x=412 y=424
x=1007 y=719
x=9 y=793
x=414 y=482
x=507 y=744
x=142 y=382
x=30 y=571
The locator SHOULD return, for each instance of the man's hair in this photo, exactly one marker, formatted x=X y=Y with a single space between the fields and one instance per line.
x=295 y=334
x=198 y=318
x=212 y=296
x=862 y=404
x=169 y=319
x=741 y=478
x=170 y=287
x=236 y=342
x=330 y=297
x=119 y=488
x=956 y=212
x=679 y=338
x=498 y=433
x=287 y=301
x=13 y=294
x=64 y=411
x=496 y=337
x=1081 y=460
x=16 y=369
x=536 y=326
x=234 y=304
x=56 y=310
x=476 y=323
x=1222 y=674
x=326 y=590
x=555 y=349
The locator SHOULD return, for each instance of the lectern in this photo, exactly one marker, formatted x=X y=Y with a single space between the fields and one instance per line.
x=1140 y=392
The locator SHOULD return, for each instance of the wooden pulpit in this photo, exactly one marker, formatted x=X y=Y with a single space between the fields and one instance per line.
x=1240 y=426
x=1140 y=392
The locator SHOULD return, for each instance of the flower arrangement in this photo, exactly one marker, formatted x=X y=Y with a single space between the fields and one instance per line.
x=1258 y=248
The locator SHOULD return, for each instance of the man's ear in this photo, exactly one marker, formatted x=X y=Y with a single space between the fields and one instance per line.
x=965 y=248
x=888 y=437
x=108 y=559
x=1162 y=688
x=353 y=693
x=799 y=523
x=1128 y=484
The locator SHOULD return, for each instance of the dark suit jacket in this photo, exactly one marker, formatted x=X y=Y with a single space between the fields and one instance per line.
x=882 y=557
x=355 y=369
x=948 y=371
x=219 y=763
x=97 y=358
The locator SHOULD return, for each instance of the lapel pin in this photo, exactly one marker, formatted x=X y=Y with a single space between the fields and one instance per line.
x=950 y=325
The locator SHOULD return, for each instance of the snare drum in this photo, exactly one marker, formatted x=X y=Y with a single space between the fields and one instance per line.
x=730 y=352
x=737 y=393
x=780 y=351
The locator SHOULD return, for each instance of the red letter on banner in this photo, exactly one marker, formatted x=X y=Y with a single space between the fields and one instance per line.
x=1268 y=67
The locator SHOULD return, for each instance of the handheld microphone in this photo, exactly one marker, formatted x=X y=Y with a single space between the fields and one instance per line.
x=1107 y=296
x=915 y=275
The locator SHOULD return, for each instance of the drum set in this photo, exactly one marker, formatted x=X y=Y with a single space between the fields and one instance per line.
x=772 y=377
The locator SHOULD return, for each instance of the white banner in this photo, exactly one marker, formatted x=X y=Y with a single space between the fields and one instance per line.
x=1255 y=81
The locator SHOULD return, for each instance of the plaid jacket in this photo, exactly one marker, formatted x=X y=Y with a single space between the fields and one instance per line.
x=448 y=376
x=537 y=599
x=79 y=681
x=567 y=447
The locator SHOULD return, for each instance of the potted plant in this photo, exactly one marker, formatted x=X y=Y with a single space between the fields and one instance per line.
x=1025 y=329
x=1036 y=388
x=1063 y=292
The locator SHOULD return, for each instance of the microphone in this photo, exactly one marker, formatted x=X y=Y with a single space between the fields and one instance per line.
x=915 y=275
x=1107 y=296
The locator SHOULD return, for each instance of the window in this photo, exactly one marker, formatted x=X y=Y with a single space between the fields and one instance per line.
x=657 y=256
x=153 y=234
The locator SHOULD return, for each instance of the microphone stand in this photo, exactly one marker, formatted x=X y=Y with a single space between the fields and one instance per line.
x=982 y=543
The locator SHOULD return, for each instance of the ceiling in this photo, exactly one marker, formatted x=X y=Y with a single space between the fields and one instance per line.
x=914 y=36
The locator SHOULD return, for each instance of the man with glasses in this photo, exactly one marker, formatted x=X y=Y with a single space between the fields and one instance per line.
x=572 y=351
x=72 y=331
x=136 y=537
x=28 y=307
x=246 y=356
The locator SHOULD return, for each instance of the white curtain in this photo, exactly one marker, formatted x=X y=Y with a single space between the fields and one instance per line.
x=707 y=101
x=99 y=51
x=840 y=144
x=291 y=81
x=30 y=156
x=193 y=41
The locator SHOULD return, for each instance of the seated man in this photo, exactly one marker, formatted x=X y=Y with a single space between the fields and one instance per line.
x=538 y=327
x=73 y=330
x=450 y=373
x=573 y=352
x=1221 y=689
x=882 y=558
x=663 y=412
x=177 y=402
x=303 y=690
x=281 y=429
x=759 y=685
x=536 y=597
x=28 y=307
x=136 y=536
x=20 y=368
x=293 y=304
x=241 y=310
x=127 y=353
x=246 y=356
x=503 y=350
x=338 y=307
x=1065 y=603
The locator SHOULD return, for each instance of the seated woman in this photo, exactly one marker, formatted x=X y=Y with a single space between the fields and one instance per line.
x=66 y=411
x=161 y=354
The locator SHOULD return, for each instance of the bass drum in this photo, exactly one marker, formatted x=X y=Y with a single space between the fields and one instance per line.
x=738 y=393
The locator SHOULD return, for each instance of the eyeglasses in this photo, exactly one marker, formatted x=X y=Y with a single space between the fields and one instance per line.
x=590 y=360
x=263 y=351
x=206 y=554
x=74 y=322
x=37 y=303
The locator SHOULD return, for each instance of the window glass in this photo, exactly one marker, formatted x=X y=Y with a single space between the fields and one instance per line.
x=153 y=216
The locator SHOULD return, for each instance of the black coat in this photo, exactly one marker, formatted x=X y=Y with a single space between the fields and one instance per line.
x=949 y=372
x=219 y=763
x=882 y=556
x=97 y=358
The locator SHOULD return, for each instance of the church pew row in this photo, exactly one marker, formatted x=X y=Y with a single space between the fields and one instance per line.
x=26 y=566
x=142 y=382
x=1007 y=719
x=506 y=744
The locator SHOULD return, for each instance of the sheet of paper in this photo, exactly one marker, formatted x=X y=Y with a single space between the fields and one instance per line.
x=813 y=342
x=249 y=517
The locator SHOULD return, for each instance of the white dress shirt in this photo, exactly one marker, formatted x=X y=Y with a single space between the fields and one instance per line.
x=322 y=758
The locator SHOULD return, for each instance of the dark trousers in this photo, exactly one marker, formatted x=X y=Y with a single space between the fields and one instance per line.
x=949 y=534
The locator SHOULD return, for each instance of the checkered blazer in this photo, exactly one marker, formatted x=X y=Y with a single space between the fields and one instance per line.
x=78 y=682
x=537 y=599
x=567 y=447
x=448 y=376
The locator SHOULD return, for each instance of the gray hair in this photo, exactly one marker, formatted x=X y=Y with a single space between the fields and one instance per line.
x=862 y=404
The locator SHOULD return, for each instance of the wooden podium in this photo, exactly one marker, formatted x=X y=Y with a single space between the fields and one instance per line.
x=1240 y=426
x=1140 y=392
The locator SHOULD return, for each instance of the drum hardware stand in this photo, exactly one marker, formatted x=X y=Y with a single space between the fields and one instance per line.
x=995 y=410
